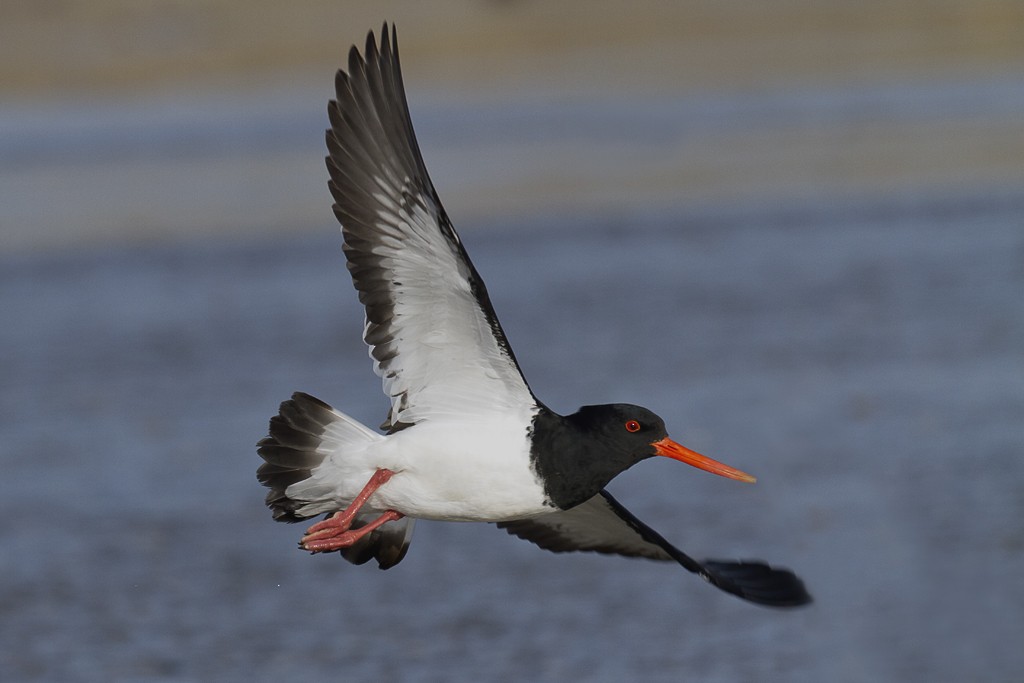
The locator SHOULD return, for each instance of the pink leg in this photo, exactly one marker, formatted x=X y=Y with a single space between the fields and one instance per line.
x=334 y=532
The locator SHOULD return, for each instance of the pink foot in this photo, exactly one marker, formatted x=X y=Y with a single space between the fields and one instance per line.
x=336 y=531
x=343 y=539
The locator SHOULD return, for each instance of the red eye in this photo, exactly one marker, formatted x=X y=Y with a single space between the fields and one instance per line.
x=632 y=426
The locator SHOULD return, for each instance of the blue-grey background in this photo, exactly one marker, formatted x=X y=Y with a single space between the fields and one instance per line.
x=806 y=254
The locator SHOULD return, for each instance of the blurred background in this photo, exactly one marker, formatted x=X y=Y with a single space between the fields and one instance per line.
x=794 y=229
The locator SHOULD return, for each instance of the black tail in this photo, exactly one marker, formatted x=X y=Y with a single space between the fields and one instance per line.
x=302 y=435
x=292 y=451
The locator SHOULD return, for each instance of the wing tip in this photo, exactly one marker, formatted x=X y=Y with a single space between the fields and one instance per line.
x=758 y=582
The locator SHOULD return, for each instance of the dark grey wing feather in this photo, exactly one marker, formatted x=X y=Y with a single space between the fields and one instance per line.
x=592 y=526
x=603 y=525
x=387 y=544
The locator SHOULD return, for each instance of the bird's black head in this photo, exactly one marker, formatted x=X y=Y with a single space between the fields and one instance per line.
x=621 y=427
x=577 y=455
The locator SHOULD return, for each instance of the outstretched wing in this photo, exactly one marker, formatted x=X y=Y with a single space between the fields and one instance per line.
x=603 y=525
x=434 y=337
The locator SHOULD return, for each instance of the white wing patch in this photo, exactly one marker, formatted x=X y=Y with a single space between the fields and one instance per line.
x=447 y=358
x=434 y=338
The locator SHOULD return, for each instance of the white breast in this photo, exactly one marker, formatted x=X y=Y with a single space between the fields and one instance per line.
x=475 y=470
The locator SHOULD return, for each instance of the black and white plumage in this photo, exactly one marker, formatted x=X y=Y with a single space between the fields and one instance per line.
x=466 y=439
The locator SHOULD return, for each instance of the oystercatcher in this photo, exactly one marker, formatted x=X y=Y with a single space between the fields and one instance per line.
x=465 y=438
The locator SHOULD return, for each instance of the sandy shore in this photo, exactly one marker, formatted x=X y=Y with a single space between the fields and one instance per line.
x=112 y=44
x=154 y=120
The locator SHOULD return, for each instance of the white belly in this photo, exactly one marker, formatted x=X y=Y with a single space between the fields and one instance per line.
x=471 y=472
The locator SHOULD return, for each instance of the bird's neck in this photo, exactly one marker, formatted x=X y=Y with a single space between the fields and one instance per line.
x=572 y=463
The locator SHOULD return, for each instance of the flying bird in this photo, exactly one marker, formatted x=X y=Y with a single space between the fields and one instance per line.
x=465 y=438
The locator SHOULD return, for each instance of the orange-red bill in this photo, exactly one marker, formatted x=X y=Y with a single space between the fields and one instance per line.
x=670 y=449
